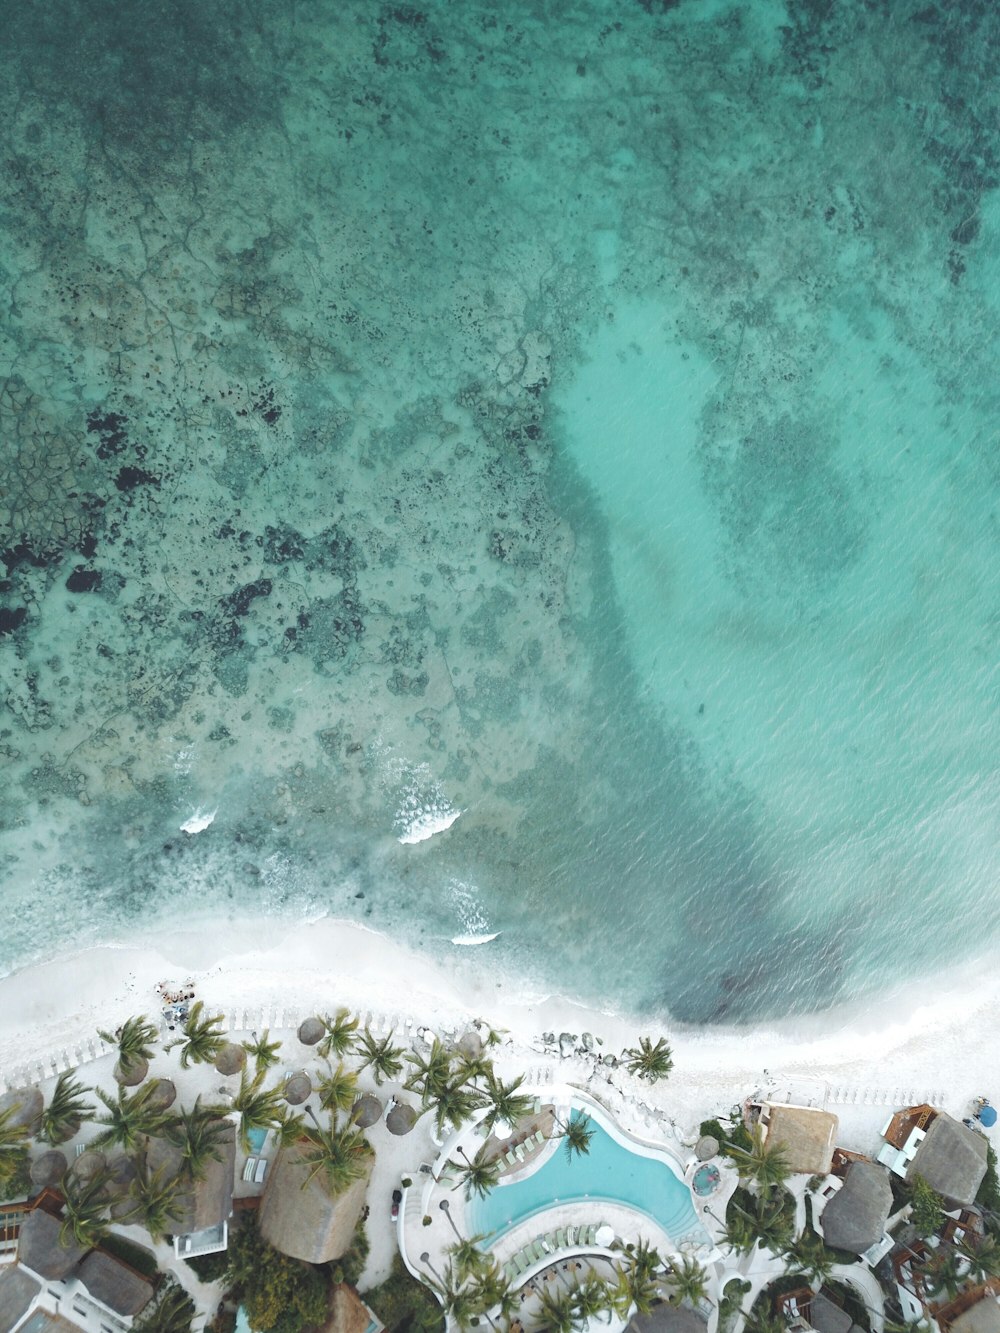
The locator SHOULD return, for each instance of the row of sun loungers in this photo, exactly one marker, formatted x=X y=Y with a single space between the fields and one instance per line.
x=255 y=1169
x=517 y=1153
x=566 y=1238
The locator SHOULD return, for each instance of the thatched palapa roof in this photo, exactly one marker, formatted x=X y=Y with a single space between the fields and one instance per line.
x=311 y=1031
x=667 y=1318
x=17 y=1290
x=983 y=1317
x=706 y=1148
x=951 y=1158
x=298 y=1088
x=367 y=1111
x=401 y=1119
x=805 y=1135
x=130 y=1073
x=348 y=1312
x=163 y=1096
x=210 y=1201
x=49 y=1169
x=855 y=1218
x=88 y=1166
x=303 y=1219
x=114 y=1284
x=38 y=1246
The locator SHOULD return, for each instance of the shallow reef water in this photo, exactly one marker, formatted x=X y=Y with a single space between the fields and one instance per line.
x=526 y=468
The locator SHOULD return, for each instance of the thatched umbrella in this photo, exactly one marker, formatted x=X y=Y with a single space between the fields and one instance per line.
x=367 y=1111
x=163 y=1096
x=48 y=1169
x=470 y=1044
x=311 y=1031
x=87 y=1166
x=298 y=1087
x=121 y=1172
x=231 y=1059
x=706 y=1148
x=130 y=1073
x=401 y=1119
x=27 y=1105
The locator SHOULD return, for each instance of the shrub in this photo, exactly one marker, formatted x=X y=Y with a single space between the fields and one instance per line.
x=988 y=1194
x=209 y=1267
x=928 y=1208
x=279 y=1294
x=136 y=1256
x=405 y=1305
x=350 y=1265
x=15 y=1174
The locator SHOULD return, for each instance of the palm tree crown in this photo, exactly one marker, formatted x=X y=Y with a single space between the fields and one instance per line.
x=259 y=1107
x=479 y=1175
x=385 y=1060
x=66 y=1111
x=264 y=1052
x=203 y=1038
x=340 y=1155
x=199 y=1134
x=85 y=1220
x=767 y=1166
x=505 y=1102
x=689 y=1282
x=431 y=1073
x=134 y=1040
x=648 y=1061
x=130 y=1117
x=338 y=1089
x=341 y=1035
x=154 y=1201
x=577 y=1134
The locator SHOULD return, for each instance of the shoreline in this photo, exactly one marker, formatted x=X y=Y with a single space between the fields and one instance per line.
x=947 y=1042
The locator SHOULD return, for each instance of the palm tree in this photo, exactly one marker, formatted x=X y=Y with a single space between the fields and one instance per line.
x=765 y=1321
x=577 y=1135
x=809 y=1256
x=264 y=1052
x=591 y=1297
x=170 y=1311
x=689 y=1282
x=769 y=1224
x=467 y=1259
x=455 y=1104
x=130 y=1117
x=338 y=1089
x=491 y=1290
x=943 y=1273
x=66 y=1110
x=739 y=1234
x=632 y=1289
x=154 y=1201
x=341 y=1155
x=982 y=1257
x=134 y=1040
x=85 y=1220
x=12 y=1136
x=259 y=1107
x=386 y=1060
x=341 y=1035
x=431 y=1072
x=460 y=1304
x=557 y=1313
x=479 y=1175
x=767 y=1166
x=642 y=1259
x=199 y=1134
x=505 y=1102
x=648 y=1061
x=203 y=1038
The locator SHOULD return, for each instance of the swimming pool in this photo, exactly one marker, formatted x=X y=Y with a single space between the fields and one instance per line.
x=257 y=1138
x=610 y=1173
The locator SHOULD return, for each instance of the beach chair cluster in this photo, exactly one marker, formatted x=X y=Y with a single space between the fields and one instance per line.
x=565 y=1238
x=528 y=1144
x=254 y=1170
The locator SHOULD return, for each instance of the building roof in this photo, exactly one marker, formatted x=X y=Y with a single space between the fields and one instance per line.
x=114 y=1284
x=855 y=1218
x=304 y=1219
x=209 y=1202
x=983 y=1317
x=17 y=1290
x=951 y=1158
x=825 y=1317
x=667 y=1318
x=348 y=1312
x=38 y=1246
x=805 y=1134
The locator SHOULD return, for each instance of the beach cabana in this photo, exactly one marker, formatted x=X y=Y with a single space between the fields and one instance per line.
x=826 y=1317
x=120 y=1288
x=130 y=1073
x=163 y=1096
x=367 y=1111
x=951 y=1158
x=300 y=1217
x=87 y=1167
x=311 y=1031
x=17 y=1291
x=121 y=1173
x=207 y=1204
x=48 y=1169
x=298 y=1088
x=39 y=1250
x=27 y=1105
x=983 y=1317
x=231 y=1059
x=805 y=1135
x=706 y=1148
x=855 y=1218
x=348 y=1312
x=470 y=1044
x=401 y=1119
x=666 y=1318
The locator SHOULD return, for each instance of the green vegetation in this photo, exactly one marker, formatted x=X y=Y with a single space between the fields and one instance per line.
x=264 y=1052
x=66 y=1111
x=130 y=1117
x=203 y=1038
x=928 y=1208
x=350 y=1265
x=136 y=1256
x=279 y=1294
x=577 y=1135
x=731 y=1303
x=988 y=1195
x=209 y=1267
x=767 y=1217
x=737 y=1136
x=648 y=1061
x=15 y=1173
x=405 y=1305
x=170 y=1311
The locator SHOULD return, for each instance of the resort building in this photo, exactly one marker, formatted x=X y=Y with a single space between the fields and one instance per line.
x=207 y=1205
x=950 y=1157
x=805 y=1134
x=300 y=1217
x=854 y=1218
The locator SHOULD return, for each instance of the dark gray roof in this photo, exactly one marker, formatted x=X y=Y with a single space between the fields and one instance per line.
x=825 y=1317
x=298 y=1088
x=311 y=1030
x=17 y=1290
x=231 y=1058
x=300 y=1217
x=401 y=1118
x=210 y=1201
x=854 y=1219
x=49 y=1169
x=163 y=1096
x=983 y=1317
x=367 y=1111
x=951 y=1158
x=668 y=1318
x=114 y=1284
x=38 y=1246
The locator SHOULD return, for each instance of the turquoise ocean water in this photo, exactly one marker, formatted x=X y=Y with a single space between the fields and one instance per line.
x=524 y=467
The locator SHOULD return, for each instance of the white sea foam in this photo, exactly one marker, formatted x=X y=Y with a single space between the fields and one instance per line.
x=421 y=806
x=428 y=822
x=475 y=939
x=199 y=821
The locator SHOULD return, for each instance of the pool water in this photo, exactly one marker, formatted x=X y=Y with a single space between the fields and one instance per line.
x=706 y=1179
x=257 y=1138
x=610 y=1172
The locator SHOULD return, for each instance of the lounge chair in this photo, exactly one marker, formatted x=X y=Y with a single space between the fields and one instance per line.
x=590 y=1238
x=510 y=1157
x=249 y=1167
x=539 y=1250
x=571 y=1237
x=561 y=1239
x=261 y=1172
x=510 y=1270
x=539 y=1137
x=519 y=1152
